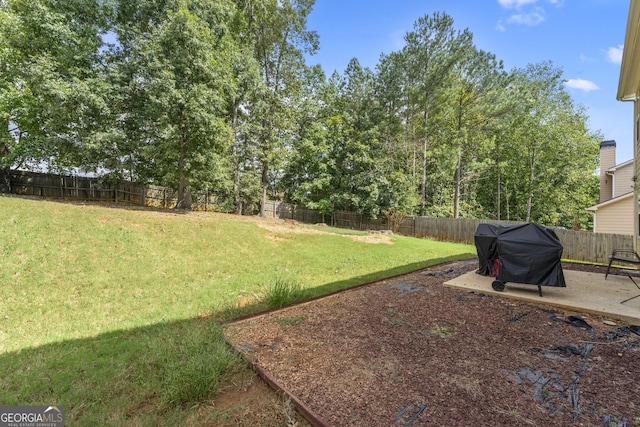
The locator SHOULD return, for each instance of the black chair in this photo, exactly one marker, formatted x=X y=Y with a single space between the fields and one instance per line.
x=625 y=256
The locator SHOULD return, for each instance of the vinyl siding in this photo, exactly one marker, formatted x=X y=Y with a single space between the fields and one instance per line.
x=615 y=218
x=623 y=180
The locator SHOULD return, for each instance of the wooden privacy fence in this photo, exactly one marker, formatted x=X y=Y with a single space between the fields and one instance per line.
x=578 y=245
x=74 y=187
x=94 y=189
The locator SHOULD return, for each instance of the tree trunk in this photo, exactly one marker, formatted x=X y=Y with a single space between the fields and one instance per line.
x=532 y=159
x=5 y=180
x=5 y=173
x=499 y=183
x=498 y=196
x=456 y=197
x=461 y=139
x=423 y=186
x=184 y=196
x=5 y=177
x=265 y=182
x=236 y=166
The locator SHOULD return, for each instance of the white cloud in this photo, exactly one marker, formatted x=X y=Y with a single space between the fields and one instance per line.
x=614 y=54
x=526 y=12
x=531 y=19
x=581 y=84
x=511 y=4
x=585 y=58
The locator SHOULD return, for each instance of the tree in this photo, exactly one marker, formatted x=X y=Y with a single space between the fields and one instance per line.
x=432 y=50
x=552 y=155
x=180 y=87
x=277 y=31
x=246 y=88
x=52 y=93
x=478 y=103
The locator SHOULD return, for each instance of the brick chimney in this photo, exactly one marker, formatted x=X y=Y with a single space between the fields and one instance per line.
x=607 y=160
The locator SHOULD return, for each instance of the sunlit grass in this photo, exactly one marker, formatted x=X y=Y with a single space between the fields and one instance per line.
x=72 y=271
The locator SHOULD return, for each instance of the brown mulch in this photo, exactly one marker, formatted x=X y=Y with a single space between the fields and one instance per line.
x=410 y=352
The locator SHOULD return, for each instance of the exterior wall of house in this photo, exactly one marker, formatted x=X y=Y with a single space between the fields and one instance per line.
x=623 y=180
x=636 y=158
x=607 y=160
x=615 y=218
x=629 y=90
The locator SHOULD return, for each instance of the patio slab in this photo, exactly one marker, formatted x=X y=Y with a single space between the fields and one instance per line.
x=585 y=292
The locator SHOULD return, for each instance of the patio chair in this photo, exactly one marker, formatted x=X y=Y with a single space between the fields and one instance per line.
x=625 y=256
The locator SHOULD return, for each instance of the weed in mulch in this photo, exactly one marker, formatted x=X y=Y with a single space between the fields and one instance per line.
x=285 y=322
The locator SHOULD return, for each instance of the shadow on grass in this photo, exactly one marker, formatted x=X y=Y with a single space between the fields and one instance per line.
x=152 y=375
x=230 y=313
x=142 y=376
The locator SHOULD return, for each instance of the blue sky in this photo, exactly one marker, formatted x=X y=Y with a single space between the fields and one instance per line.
x=583 y=37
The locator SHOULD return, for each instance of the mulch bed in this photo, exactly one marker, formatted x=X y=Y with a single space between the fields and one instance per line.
x=410 y=352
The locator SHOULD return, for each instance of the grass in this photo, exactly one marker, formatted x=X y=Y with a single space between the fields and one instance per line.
x=283 y=293
x=111 y=311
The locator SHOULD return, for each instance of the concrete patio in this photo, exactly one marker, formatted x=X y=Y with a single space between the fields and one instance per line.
x=585 y=292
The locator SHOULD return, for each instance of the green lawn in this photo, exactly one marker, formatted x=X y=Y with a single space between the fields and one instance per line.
x=109 y=311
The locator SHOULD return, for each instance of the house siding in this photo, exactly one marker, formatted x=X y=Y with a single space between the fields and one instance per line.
x=614 y=218
x=636 y=161
x=623 y=180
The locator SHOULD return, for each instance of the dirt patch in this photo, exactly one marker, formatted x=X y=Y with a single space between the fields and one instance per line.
x=246 y=400
x=283 y=229
x=410 y=352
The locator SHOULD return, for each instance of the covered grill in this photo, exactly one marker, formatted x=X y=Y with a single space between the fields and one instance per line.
x=525 y=253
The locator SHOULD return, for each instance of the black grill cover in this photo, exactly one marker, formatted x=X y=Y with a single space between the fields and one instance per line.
x=528 y=253
x=486 y=240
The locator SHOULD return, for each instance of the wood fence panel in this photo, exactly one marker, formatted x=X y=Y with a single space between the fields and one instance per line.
x=346 y=220
x=308 y=216
x=407 y=226
x=591 y=247
x=284 y=210
x=374 y=224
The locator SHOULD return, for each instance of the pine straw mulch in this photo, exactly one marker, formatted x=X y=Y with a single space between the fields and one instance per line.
x=410 y=352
